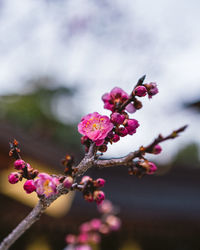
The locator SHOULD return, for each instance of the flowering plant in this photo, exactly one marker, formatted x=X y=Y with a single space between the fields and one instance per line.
x=98 y=132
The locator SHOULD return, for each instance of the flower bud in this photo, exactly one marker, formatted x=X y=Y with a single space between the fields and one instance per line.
x=115 y=138
x=157 y=149
x=100 y=182
x=117 y=118
x=152 y=168
x=140 y=91
x=122 y=131
x=131 y=126
x=151 y=89
x=99 y=196
x=14 y=177
x=29 y=186
x=68 y=182
x=19 y=164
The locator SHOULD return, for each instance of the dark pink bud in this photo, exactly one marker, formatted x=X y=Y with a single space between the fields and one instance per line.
x=117 y=118
x=68 y=182
x=131 y=126
x=140 y=91
x=123 y=131
x=157 y=149
x=29 y=186
x=99 y=196
x=100 y=182
x=14 y=177
x=19 y=164
x=152 y=168
x=115 y=138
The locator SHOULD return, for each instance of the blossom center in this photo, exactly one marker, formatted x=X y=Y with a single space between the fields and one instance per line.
x=47 y=188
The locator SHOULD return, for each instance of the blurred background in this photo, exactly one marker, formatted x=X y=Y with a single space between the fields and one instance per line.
x=57 y=58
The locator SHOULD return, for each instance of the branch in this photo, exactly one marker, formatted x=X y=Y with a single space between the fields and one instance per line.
x=126 y=160
x=33 y=216
x=131 y=98
x=43 y=203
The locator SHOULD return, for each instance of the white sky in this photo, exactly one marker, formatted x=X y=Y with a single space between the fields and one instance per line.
x=97 y=45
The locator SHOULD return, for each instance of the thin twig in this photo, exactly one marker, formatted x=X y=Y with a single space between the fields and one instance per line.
x=125 y=161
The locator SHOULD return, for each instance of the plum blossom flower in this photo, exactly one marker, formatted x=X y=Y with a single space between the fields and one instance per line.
x=46 y=185
x=96 y=127
x=116 y=97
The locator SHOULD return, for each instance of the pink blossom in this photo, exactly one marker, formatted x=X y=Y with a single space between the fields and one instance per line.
x=19 y=164
x=45 y=185
x=29 y=186
x=116 y=97
x=140 y=91
x=96 y=127
x=14 y=177
x=131 y=126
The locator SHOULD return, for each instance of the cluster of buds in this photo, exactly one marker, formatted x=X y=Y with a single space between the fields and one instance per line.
x=142 y=167
x=43 y=184
x=90 y=189
x=103 y=130
x=91 y=232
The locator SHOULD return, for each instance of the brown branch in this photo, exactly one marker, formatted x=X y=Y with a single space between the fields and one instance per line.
x=126 y=160
x=43 y=203
x=87 y=162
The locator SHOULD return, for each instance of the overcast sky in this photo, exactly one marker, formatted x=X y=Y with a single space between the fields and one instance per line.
x=97 y=45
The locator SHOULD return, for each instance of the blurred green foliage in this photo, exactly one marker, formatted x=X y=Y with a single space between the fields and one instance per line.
x=34 y=113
